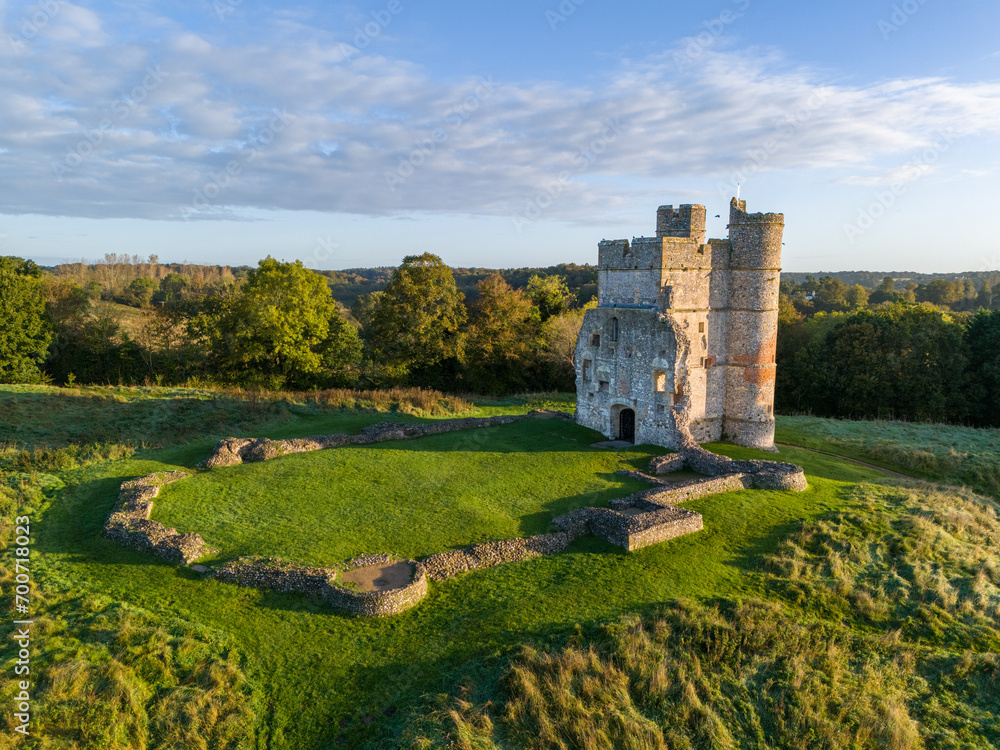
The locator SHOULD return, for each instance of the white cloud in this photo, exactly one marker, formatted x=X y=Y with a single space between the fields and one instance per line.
x=88 y=133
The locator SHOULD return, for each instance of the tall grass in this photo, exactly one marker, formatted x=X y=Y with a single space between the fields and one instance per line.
x=49 y=419
x=886 y=638
x=913 y=558
x=106 y=675
x=960 y=455
x=750 y=675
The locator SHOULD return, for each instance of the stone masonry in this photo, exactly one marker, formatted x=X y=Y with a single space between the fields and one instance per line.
x=684 y=323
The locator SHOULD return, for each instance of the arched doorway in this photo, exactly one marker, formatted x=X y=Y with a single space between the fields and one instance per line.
x=626 y=425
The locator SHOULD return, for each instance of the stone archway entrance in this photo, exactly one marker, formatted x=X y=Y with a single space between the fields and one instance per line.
x=626 y=425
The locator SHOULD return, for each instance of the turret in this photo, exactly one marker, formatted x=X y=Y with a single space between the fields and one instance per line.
x=752 y=327
x=687 y=221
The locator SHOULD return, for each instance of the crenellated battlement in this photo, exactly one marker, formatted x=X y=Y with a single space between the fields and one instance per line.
x=687 y=220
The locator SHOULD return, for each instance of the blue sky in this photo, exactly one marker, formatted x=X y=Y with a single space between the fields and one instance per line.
x=497 y=134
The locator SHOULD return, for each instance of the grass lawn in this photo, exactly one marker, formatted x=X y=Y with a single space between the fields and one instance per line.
x=323 y=680
x=412 y=498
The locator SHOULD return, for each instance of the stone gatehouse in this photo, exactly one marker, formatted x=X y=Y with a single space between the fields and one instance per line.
x=682 y=342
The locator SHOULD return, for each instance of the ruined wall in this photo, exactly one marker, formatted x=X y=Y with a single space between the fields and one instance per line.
x=635 y=372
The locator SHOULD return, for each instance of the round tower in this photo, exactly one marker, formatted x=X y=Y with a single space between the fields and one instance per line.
x=752 y=327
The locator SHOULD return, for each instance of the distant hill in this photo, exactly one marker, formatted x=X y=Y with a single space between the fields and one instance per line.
x=871 y=279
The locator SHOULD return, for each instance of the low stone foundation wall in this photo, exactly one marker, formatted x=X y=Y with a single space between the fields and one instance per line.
x=274 y=574
x=632 y=526
x=232 y=451
x=130 y=526
x=666 y=464
x=489 y=554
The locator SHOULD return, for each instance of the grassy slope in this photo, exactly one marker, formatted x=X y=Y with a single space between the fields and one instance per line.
x=320 y=672
x=961 y=455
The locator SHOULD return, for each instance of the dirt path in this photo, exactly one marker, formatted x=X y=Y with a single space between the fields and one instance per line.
x=850 y=460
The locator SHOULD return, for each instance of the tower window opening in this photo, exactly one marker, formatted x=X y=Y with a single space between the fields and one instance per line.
x=701 y=327
x=614 y=329
x=660 y=381
x=586 y=371
x=595 y=339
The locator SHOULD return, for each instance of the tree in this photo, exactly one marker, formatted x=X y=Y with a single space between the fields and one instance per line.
x=886 y=292
x=416 y=324
x=172 y=286
x=280 y=328
x=831 y=295
x=856 y=297
x=26 y=331
x=503 y=339
x=787 y=313
x=940 y=292
x=984 y=300
x=901 y=361
x=549 y=294
x=982 y=340
x=141 y=291
x=559 y=337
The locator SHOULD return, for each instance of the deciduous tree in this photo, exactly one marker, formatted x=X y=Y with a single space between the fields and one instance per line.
x=416 y=324
x=26 y=332
x=503 y=340
x=280 y=328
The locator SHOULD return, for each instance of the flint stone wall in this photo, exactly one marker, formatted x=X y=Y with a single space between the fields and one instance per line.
x=639 y=520
x=130 y=526
x=233 y=451
x=275 y=574
x=651 y=525
x=489 y=554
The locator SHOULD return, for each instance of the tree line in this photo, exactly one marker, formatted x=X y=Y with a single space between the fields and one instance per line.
x=278 y=326
x=899 y=360
x=842 y=351
x=832 y=293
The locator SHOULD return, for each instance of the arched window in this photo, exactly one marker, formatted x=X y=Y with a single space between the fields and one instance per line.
x=614 y=329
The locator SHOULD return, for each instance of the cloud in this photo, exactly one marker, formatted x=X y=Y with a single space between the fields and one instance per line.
x=186 y=128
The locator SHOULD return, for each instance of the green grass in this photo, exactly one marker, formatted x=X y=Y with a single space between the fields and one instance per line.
x=326 y=680
x=412 y=498
x=959 y=455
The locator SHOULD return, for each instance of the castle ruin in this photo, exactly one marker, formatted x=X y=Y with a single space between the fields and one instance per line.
x=682 y=343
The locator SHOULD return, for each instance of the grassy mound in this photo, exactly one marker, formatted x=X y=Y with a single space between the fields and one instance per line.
x=757 y=631
x=411 y=498
x=884 y=635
